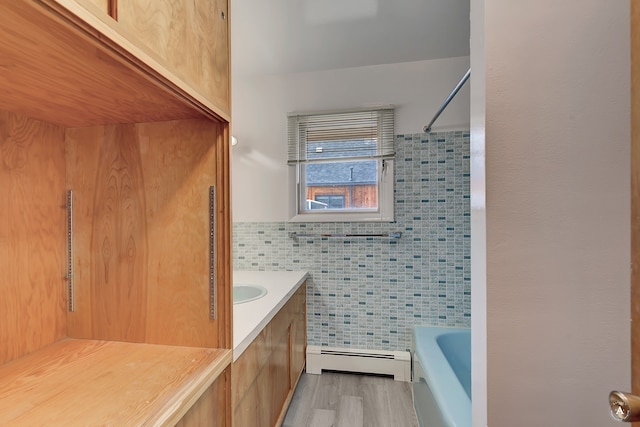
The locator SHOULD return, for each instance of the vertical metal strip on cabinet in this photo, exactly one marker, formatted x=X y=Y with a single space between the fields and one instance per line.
x=212 y=252
x=70 y=290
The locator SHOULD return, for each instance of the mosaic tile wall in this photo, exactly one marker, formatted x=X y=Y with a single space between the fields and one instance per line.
x=368 y=292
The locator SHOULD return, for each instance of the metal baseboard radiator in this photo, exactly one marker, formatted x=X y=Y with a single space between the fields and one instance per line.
x=396 y=363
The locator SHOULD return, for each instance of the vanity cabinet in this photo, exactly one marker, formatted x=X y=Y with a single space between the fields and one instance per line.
x=114 y=226
x=266 y=373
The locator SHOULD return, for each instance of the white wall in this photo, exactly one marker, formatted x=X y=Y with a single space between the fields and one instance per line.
x=260 y=104
x=557 y=213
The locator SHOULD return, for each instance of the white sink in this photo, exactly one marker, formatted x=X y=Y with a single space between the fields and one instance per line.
x=245 y=292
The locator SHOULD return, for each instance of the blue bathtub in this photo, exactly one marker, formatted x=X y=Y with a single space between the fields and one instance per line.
x=441 y=360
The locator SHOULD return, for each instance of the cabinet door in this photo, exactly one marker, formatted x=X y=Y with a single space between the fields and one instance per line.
x=298 y=335
x=279 y=366
x=190 y=36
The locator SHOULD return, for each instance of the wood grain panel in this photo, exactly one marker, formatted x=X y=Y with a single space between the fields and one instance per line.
x=101 y=8
x=179 y=165
x=142 y=194
x=119 y=245
x=50 y=72
x=297 y=346
x=32 y=235
x=82 y=154
x=247 y=367
x=284 y=317
x=635 y=197
x=255 y=408
x=299 y=334
x=246 y=411
x=192 y=37
x=213 y=408
x=112 y=293
x=224 y=260
x=83 y=382
x=279 y=375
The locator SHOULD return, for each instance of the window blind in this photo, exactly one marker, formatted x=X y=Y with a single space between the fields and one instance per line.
x=352 y=134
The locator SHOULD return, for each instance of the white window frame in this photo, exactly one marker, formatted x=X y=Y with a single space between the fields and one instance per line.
x=385 y=181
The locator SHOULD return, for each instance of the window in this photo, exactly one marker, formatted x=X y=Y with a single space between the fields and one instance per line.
x=343 y=165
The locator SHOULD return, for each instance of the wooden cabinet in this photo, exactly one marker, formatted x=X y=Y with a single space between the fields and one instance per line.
x=265 y=375
x=298 y=336
x=130 y=259
x=192 y=37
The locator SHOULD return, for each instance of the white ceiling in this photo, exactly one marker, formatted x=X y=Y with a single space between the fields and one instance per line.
x=290 y=36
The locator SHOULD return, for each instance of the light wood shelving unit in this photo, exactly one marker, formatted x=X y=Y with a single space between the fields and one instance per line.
x=89 y=382
x=138 y=128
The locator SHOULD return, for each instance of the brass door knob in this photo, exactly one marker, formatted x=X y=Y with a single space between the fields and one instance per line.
x=625 y=407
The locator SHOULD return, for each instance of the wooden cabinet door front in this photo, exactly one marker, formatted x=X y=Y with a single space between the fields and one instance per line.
x=192 y=37
x=298 y=335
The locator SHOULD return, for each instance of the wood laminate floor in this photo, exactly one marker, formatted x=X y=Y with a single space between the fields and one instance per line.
x=350 y=400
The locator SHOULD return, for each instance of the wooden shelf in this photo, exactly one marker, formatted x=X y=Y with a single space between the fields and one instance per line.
x=91 y=383
x=63 y=65
x=141 y=135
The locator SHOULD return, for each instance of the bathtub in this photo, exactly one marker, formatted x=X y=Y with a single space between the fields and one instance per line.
x=441 y=360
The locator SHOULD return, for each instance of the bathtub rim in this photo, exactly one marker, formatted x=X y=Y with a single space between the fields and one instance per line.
x=452 y=395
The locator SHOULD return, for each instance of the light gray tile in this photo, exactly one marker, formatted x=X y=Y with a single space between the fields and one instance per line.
x=350 y=413
x=381 y=401
x=401 y=403
x=323 y=418
x=376 y=406
x=326 y=393
x=299 y=411
x=349 y=384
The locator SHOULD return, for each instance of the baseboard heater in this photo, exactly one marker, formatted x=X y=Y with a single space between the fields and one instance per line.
x=396 y=363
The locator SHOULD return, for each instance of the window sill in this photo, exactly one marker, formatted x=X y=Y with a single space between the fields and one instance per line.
x=342 y=217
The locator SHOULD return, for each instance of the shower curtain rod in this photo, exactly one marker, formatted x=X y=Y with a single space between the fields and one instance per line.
x=446 y=102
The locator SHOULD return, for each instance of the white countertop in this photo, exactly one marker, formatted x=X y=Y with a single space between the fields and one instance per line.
x=251 y=317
